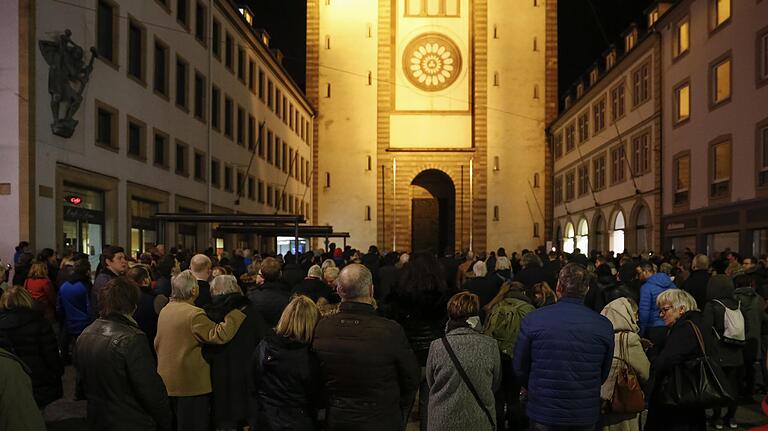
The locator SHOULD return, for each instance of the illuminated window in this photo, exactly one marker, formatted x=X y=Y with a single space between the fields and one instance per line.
x=720 y=12
x=682 y=102
x=682 y=37
x=720 y=154
x=682 y=178
x=721 y=81
x=432 y=8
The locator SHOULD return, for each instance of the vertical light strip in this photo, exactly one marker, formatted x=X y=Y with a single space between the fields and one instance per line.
x=471 y=199
x=394 y=204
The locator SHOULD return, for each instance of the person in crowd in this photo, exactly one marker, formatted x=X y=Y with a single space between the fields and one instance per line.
x=465 y=268
x=680 y=313
x=652 y=326
x=21 y=268
x=330 y=275
x=270 y=298
x=233 y=403
x=418 y=304
x=753 y=306
x=482 y=286
x=628 y=352
x=18 y=409
x=696 y=284
x=720 y=295
x=542 y=295
x=505 y=314
x=292 y=274
x=164 y=270
x=503 y=272
x=451 y=268
x=328 y=263
x=756 y=271
x=115 y=368
x=182 y=328
x=149 y=305
x=286 y=373
x=578 y=257
x=40 y=287
x=389 y=273
x=51 y=261
x=452 y=405
x=20 y=249
x=313 y=286
x=113 y=264
x=531 y=272
x=370 y=372
x=74 y=304
x=251 y=279
x=548 y=375
x=200 y=265
x=31 y=337
x=3 y=278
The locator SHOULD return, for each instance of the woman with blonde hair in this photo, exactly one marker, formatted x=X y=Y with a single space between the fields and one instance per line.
x=39 y=286
x=286 y=373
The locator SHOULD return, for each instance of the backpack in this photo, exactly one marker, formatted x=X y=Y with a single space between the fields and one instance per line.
x=733 y=322
x=503 y=323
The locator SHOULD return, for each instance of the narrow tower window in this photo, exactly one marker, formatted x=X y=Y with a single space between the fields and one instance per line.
x=370 y=77
x=328 y=90
x=369 y=162
x=327 y=42
x=327 y=179
x=367 y=213
x=495 y=213
x=495 y=163
x=495 y=79
x=535 y=91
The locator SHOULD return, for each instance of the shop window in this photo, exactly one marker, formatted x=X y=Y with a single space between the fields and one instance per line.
x=143 y=226
x=107 y=31
x=83 y=222
x=582 y=236
x=617 y=233
x=720 y=242
x=182 y=83
x=569 y=238
x=161 y=69
x=682 y=178
x=136 y=50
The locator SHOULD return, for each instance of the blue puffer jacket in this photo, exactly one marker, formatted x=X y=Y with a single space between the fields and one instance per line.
x=563 y=356
x=648 y=310
x=75 y=305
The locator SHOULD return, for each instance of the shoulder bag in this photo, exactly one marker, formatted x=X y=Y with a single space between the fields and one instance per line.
x=467 y=382
x=627 y=397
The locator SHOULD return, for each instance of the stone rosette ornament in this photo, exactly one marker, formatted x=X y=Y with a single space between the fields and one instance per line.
x=431 y=62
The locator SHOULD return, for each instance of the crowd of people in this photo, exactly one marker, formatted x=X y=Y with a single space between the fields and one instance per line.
x=339 y=339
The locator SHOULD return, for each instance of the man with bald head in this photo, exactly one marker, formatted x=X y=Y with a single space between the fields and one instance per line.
x=369 y=370
x=200 y=265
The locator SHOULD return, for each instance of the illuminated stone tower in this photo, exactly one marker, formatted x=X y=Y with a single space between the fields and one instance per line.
x=431 y=120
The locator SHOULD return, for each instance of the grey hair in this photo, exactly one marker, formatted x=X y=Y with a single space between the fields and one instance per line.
x=183 y=284
x=677 y=298
x=315 y=271
x=480 y=269
x=573 y=280
x=470 y=255
x=224 y=284
x=503 y=262
x=666 y=268
x=332 y=272
x=355 y=281
x=700 y=261
x=328 y=263
x=530 y=259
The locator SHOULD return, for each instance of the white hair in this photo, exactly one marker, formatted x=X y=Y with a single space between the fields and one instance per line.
x=328 y=263
x=503 y=262
x=677 y=298
x=183 y=284
x=315 y=271
x=224 y=284
x=480 y=269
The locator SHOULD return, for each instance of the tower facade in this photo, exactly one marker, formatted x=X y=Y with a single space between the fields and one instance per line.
x=431 y=121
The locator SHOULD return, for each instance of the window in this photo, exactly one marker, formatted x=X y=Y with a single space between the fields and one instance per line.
x=261 y=85
x=270 y=95
x=630 y=40
x=161 y=68
x=641 y=84
x=308 y=172
x=261 y=142
x=251 y=188
x=682 y=102
x=182 y=158
x=367 y=212
x=228 y=178
x=251 y=75
x=136 y=138
x=536 y=230
x=495 y=213
x=251 y=133
x=641 y=154
x=682 y=38
x=278 y=106
x=720 y=155
x=720 y=81
x=261 y=192
x=569 y=186
x=240 y=126
x=229 y=51
x=277 y=152
x=270 y=146
x=284 y=202
x=327 y=179
x=269 y=196
x=285 y=157
x=558 y=145
x=182 y=83
x=441 y=8
x=241 y=63
x=284 y=111
x=161 y=149
x=495 y=163
x=199 y=166
x=593 y=75
x=617 y=102
x=762 y=142
x=583 y=179
x=291 y=165
x=720 y=13
x=570 y=139
x=536 y=182
x=215 y=173
x=106 y=31
x=228 y=116
x=106 y=126
x=598 y=172
x=598 y=112
x=215 y=107
x=200 y=90
x=618 y=159
x=216 y=39
x=583 y=126
x=762 y=57
x=201 y=28
x=682 y=178
x=616 y=239
x=136 y=42
x=182 y=13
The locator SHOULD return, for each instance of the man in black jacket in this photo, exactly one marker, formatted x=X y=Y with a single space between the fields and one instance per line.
x=113 y=265
x=369 y=370
x=270 y=298
x=696 y=284
x=200 y=265
x=115 y=368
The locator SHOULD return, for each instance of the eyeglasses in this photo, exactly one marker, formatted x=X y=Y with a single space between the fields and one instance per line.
x=664 y=310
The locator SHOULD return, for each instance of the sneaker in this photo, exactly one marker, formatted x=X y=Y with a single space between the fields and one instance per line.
x=732 y=425
x=718 y=424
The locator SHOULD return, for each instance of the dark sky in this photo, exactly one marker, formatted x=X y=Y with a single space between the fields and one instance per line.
x=581 y=40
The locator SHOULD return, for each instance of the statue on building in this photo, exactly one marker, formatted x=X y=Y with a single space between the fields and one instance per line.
x=67 y=76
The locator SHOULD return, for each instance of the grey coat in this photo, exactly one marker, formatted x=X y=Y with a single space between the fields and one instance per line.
x=451 y=405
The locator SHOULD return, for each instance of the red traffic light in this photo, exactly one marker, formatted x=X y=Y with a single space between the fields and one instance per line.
x=74 y=200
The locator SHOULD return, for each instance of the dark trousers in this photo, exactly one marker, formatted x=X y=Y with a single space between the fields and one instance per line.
x=733 y=375
x=423 y=403
x=192 y=413
x=542 y=427
x=509 y=413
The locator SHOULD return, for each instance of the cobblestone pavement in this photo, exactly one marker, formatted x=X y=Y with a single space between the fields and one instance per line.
x=67 y=414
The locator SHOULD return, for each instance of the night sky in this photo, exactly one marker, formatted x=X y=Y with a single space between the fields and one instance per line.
x=584 y=26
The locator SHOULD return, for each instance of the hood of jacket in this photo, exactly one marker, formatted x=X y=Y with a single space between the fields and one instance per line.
x=622 y=316
x=745 y=291
x=661 y=281
x=720 y=287
x=221 y=305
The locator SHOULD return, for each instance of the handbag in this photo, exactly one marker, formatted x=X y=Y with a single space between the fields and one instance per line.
x=698 y=382
x=627 y=397
x=466 y=380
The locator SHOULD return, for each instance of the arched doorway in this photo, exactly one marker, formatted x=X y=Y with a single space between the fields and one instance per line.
x=569 y=238
x=617 y=233
x=433 y=211
x=582 y=236
x=642 y=229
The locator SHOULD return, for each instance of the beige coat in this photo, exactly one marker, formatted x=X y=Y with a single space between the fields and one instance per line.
x=182 y=328
x=624 y=321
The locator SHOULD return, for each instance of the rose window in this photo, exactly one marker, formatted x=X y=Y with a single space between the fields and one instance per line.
x=431 y=62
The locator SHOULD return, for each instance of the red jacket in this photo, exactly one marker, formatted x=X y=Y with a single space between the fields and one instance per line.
x=42 y=292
